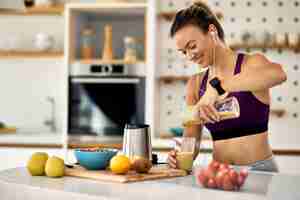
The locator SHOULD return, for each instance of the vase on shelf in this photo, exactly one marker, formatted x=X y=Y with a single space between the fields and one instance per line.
x=130 y=49
x=107 y=53
x=87 y=45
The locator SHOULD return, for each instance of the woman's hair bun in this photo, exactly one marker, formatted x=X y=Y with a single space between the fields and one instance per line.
x=202 y=6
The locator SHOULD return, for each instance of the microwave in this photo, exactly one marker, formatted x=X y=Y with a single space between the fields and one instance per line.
x=103 y=105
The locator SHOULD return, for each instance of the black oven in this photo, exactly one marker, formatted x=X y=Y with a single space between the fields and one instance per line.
x=103 y=105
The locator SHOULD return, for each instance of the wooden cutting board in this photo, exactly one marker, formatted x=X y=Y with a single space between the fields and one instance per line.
x=157 y=172
x=8 y=130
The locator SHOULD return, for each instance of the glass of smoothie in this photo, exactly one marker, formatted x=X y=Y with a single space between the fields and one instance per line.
x=185 y=152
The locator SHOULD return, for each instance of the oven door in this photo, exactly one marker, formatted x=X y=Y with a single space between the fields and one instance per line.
x=102 y=106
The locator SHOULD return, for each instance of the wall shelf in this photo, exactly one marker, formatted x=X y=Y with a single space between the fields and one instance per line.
x=261 y=46
x=35 y=10
x=278 y=112
x=169 y=79
x=31 y=54
x=110 y=9
x=170 y=15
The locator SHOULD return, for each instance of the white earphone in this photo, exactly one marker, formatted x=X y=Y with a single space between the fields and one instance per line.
x=214 y=35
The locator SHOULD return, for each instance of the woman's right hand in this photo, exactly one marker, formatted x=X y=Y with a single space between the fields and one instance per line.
x=172 y=161
x=205 y=106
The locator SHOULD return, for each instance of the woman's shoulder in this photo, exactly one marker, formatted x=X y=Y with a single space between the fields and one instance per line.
x=255 y=59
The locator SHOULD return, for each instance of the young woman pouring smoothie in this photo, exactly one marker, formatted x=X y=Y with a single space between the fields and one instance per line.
x=247 y=77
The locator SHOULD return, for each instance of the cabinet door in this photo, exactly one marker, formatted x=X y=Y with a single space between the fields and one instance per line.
x=288 y=164
x=18 y=157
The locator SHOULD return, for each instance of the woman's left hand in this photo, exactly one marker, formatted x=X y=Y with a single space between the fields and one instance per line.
x=205 y=106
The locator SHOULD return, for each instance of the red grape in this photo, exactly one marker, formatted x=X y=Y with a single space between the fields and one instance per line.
x=233 y=176
x=211 y=183
x=244 y=172
x=223 y=166
x=227 y=184
x=214 y=165
x=210 y=173
x=219 y=179
x=240 y=181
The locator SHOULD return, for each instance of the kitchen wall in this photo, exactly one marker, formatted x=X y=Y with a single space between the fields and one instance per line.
x=240 y=18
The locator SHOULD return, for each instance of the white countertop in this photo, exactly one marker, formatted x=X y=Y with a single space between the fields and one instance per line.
x=27 y=137
x=17 y=184
x=48 y=138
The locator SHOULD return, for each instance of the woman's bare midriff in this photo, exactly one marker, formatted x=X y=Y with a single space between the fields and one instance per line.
x=242 y=150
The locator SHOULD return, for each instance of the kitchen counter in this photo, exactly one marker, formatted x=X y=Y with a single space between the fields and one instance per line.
x=39 y=138
x=17 y=184
x=25 y=138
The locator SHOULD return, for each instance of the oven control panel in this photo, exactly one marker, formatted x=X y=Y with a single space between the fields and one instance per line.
x=82 y=69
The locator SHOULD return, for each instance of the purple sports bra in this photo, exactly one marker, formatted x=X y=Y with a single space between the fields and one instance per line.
x=254 y=114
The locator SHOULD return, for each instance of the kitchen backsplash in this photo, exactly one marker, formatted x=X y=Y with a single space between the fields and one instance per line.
x=240 y=18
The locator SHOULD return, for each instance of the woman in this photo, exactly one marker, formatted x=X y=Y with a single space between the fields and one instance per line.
x=248 y=77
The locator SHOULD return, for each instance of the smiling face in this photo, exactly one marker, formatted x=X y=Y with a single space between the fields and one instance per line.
x=196 y=45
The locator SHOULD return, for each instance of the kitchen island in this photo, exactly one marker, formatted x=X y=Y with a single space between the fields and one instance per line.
x=18 y=184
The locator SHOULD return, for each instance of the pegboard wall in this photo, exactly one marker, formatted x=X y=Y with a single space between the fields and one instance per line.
x=257 y=18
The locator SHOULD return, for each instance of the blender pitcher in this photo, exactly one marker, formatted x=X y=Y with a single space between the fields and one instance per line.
x=137 y=141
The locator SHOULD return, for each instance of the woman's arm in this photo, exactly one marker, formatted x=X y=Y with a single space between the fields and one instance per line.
x=257 y=75
x=190 y=131
x=192 y=99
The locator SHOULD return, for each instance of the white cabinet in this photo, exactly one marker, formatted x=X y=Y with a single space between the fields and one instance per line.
x=288 y=164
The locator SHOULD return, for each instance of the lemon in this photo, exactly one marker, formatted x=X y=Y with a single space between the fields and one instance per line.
x=55 y=167
x=36 y=163
x=119 y=164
